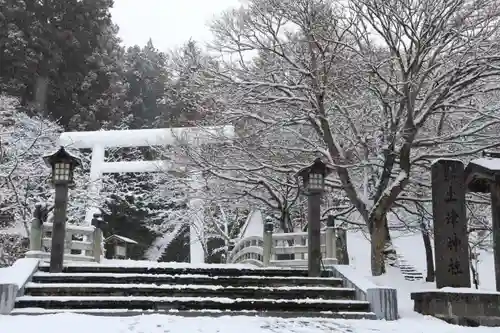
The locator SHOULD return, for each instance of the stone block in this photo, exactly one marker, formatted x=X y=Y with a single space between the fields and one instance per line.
x=8 y=294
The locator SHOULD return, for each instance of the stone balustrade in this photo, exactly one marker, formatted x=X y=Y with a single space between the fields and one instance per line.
x=79 y=242
x=282 y=249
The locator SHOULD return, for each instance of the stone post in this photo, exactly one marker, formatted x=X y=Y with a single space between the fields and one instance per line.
x=450 y=224
x=59 y=228
x=495 y=211
x=268 y=243
x=314 y=235
x=97 y=250
x=98 y=224
x=230 y=248
x=330 y=241
x=68 y=241
x=36 y=231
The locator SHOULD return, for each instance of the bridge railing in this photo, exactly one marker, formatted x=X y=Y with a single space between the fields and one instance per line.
x=290 y=250
x=79 y=242
x=282 y=249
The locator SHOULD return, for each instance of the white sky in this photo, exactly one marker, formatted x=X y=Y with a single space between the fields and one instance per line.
x=169 y=23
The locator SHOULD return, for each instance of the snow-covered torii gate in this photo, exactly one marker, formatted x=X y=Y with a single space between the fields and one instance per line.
x=98 y=141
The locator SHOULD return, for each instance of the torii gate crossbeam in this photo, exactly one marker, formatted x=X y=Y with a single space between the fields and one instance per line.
x=98 y=141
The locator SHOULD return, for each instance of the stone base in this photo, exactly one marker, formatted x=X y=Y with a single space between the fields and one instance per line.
x=8 y=294
x=461 y=307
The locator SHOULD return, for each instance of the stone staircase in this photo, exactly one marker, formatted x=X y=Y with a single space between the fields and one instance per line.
x=409 y=271
x=190 y=291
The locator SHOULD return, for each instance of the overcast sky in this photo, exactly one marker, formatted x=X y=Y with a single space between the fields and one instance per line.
x=168 y=22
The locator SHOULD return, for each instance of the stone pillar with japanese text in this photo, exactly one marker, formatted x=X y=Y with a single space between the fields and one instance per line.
x=450 y=224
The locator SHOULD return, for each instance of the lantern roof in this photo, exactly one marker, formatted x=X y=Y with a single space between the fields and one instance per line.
x=61 y=155
x=481 y=172
x=120 y=239
x=318 y=166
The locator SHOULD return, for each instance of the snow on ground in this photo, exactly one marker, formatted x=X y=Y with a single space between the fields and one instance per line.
x=3 y=274
x=411 y=246
x=254 y=225
x=66 y=322
x=359 y=256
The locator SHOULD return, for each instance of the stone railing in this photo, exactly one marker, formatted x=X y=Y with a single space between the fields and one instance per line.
x=248 y=250
x=282 y=249
x=79 y=242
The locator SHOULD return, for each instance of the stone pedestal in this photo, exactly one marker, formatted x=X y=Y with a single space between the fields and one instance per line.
x=450 y=224
x=462 y=308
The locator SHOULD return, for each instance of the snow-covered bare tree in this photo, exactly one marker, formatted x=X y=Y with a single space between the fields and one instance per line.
x=23 y=175
x=435 y=84
x=25 y=179
x=379 y=88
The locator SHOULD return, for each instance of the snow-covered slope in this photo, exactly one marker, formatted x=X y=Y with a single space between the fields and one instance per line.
x=411 y=247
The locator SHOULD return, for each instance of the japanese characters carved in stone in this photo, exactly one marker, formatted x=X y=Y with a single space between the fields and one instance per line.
x=450 y=224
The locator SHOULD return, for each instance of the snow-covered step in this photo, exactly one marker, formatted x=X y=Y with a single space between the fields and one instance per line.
x=191 y=303
x=409 y=272
x=200 y=313
x=183 y=279
x=91 y=289
x=164 y=288
x=176 y=270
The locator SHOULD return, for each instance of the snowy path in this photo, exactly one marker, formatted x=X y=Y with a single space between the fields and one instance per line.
x=63 y=323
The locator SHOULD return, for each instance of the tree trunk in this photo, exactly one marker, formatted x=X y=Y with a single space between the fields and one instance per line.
x=285 y=221
x=388 y=252
x=429 y=257
x=390 y=255
x=473 y=266
x=378 y=238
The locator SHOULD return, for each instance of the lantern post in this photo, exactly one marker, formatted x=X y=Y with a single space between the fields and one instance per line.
x=312 y=184
x=63 y=165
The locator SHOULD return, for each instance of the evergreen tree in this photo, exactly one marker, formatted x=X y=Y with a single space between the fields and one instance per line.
x=146 y=77
x=58 y=56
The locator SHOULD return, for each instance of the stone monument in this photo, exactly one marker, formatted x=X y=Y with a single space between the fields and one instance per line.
x=450 y=224
x=449 y=184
